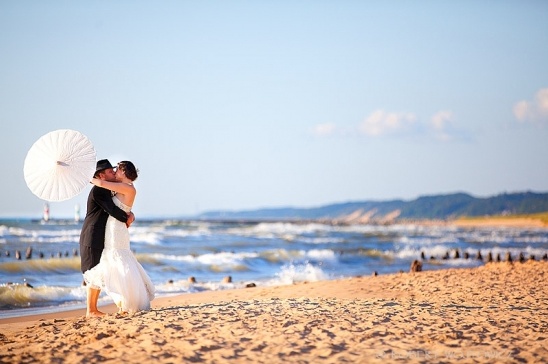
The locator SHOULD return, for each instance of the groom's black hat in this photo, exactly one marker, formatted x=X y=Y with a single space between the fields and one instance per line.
x=102 y=165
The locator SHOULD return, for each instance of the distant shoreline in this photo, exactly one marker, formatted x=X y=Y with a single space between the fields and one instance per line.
x=484 y=221
x=530 y=220
x=500 y=221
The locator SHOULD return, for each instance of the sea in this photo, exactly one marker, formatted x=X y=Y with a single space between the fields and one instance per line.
x=40 y=263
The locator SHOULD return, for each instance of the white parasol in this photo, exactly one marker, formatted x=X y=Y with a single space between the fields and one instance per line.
x=60 y=165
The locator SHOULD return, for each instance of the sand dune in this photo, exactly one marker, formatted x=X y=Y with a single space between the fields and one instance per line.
x=491 y=314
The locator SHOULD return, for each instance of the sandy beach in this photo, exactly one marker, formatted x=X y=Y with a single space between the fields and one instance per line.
x=491 y=314
x=519 y=222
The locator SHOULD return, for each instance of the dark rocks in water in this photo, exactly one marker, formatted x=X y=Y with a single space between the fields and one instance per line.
x=509 y=257
x=250 y=285
x=416 y=266
x=25 y=284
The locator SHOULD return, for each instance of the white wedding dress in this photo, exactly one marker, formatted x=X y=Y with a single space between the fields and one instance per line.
x=119 y=273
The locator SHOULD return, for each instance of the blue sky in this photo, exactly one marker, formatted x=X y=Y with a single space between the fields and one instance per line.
x=249 y=104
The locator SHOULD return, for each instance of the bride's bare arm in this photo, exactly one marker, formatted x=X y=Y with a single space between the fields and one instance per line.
x=118 y=187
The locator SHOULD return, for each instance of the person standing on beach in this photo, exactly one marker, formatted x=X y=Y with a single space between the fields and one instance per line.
x=118 y=272
x=92 y=237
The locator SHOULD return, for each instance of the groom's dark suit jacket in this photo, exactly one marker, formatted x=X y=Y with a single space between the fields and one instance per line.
x=99 y=207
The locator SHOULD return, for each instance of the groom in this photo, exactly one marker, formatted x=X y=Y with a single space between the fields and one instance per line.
x=92 y=237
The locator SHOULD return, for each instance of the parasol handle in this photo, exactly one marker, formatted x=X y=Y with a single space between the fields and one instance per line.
x=59 y=163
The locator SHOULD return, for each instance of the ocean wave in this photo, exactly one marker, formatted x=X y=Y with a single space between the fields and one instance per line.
x=293 y=273
x=184 y=286
x=267 y=253
x=13 y=231
x=321 y=255
x=277 y=229
x=184 y=233
x=322 y=240
x=449 y=253
x=280 y=255
x=221 y=258
x=53 y=265
x=20 y=295
x=146 y=236
x=283 y=255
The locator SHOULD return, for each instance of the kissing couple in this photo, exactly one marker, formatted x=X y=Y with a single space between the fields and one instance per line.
x=107 y=261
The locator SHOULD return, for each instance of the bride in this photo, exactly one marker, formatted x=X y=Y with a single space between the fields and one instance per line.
x=118 y=272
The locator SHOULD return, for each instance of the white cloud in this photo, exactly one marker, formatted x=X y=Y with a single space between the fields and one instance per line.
x=442 y=125
x=324 y=129
x=521 y=110
x=441 y=119
x=542 y=101
x=535 y=111
x=381 y=122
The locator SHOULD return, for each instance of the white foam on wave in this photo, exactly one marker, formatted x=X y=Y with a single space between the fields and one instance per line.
x=284 y=255
x=322 y=240
x=321 y=255
x=19 y=295
x=223 y=261
x=222 y=258
x=279 y=229
x=44 y=236
x=150 y=236
x=293 y=273
x=183 y=286
x=225 y=258
x=184 y=233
